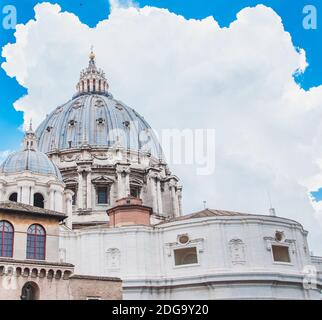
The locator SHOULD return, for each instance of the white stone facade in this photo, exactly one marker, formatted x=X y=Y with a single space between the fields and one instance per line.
x=235 y=258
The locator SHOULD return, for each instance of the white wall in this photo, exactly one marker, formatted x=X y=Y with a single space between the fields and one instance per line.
x=143 y=256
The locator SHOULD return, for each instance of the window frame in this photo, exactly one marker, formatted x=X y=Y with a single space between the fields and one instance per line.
x=107 y=189
x=186 y=265
x=35 y=257
x=2 y=232
x=277 y=244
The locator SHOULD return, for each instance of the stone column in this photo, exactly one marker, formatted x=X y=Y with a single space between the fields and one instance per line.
x=174 y=199
x=89 y=189
x=59 y=200
x=31 y=195
x=180 y=200
x=153 y=194
x=159 y=195
x=120 y=193
x=123 y=181
x=52 y=199
x=127 y=185
x=1 y=191
x=69 y=208
x=80 y=194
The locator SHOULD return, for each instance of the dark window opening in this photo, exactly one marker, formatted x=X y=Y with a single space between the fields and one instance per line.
x=39 y=200
x=281 y=254
x=30 y=291
x=14 y=197
x=6 y=239
x=102 y=195
x=36 y=242
x=185 y=256
x=135 y=191
x=74 y=198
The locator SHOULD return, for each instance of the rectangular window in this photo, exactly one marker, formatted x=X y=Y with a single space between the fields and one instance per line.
x=102 y=195
x=185 y=256
x=135 y=191
x=281 y=254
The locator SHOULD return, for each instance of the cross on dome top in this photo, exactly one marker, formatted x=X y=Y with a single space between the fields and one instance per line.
x=92 y=79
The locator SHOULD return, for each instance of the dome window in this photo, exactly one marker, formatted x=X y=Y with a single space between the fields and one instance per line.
x=100 y=121
x=72 y=123
x=14 y=197
x=99 y=103
x=39 y=200
x=126 y=124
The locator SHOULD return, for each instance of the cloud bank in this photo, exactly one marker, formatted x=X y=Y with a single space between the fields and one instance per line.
x=183 y=73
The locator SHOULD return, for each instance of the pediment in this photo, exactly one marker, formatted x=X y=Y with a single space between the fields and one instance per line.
x=102 y=180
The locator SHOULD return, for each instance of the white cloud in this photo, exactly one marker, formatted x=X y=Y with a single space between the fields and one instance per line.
x=183 y=73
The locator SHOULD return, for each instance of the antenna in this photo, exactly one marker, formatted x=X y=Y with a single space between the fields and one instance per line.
x=271 y=210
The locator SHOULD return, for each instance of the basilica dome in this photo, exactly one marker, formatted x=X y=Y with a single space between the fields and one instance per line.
x=94 y=118
x=30 y=159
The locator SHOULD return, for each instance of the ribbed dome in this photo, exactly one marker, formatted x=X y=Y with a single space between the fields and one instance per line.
x=30 y=160
x=94 y=118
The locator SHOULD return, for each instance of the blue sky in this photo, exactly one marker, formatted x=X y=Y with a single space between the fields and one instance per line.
x=91 y=12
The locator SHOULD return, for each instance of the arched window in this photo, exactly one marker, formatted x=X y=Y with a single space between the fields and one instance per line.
x=36 y=242
x=13 y=197
x=6 y=239
x=30 y=291
x=39 y=200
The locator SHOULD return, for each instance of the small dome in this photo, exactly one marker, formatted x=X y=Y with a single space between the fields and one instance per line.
x=30 y=160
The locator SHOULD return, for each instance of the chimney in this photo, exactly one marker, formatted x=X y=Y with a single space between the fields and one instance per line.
x=129 y=211
x=272 y=212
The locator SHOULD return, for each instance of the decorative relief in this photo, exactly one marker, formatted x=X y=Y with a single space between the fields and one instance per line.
x=237 y=251
x=102 y=156
x=278 y=239
x=78 y=103
x=58 y=110
x=62 y=255
x=70 y=158
x=113 y=257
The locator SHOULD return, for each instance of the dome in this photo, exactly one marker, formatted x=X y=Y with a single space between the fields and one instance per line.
x=94 y=118
x=30 y=159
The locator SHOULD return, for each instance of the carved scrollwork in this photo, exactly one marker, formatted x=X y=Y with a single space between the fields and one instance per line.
x=102 y=156
x=113 y=258
x=70 y=158
x=237 y=251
